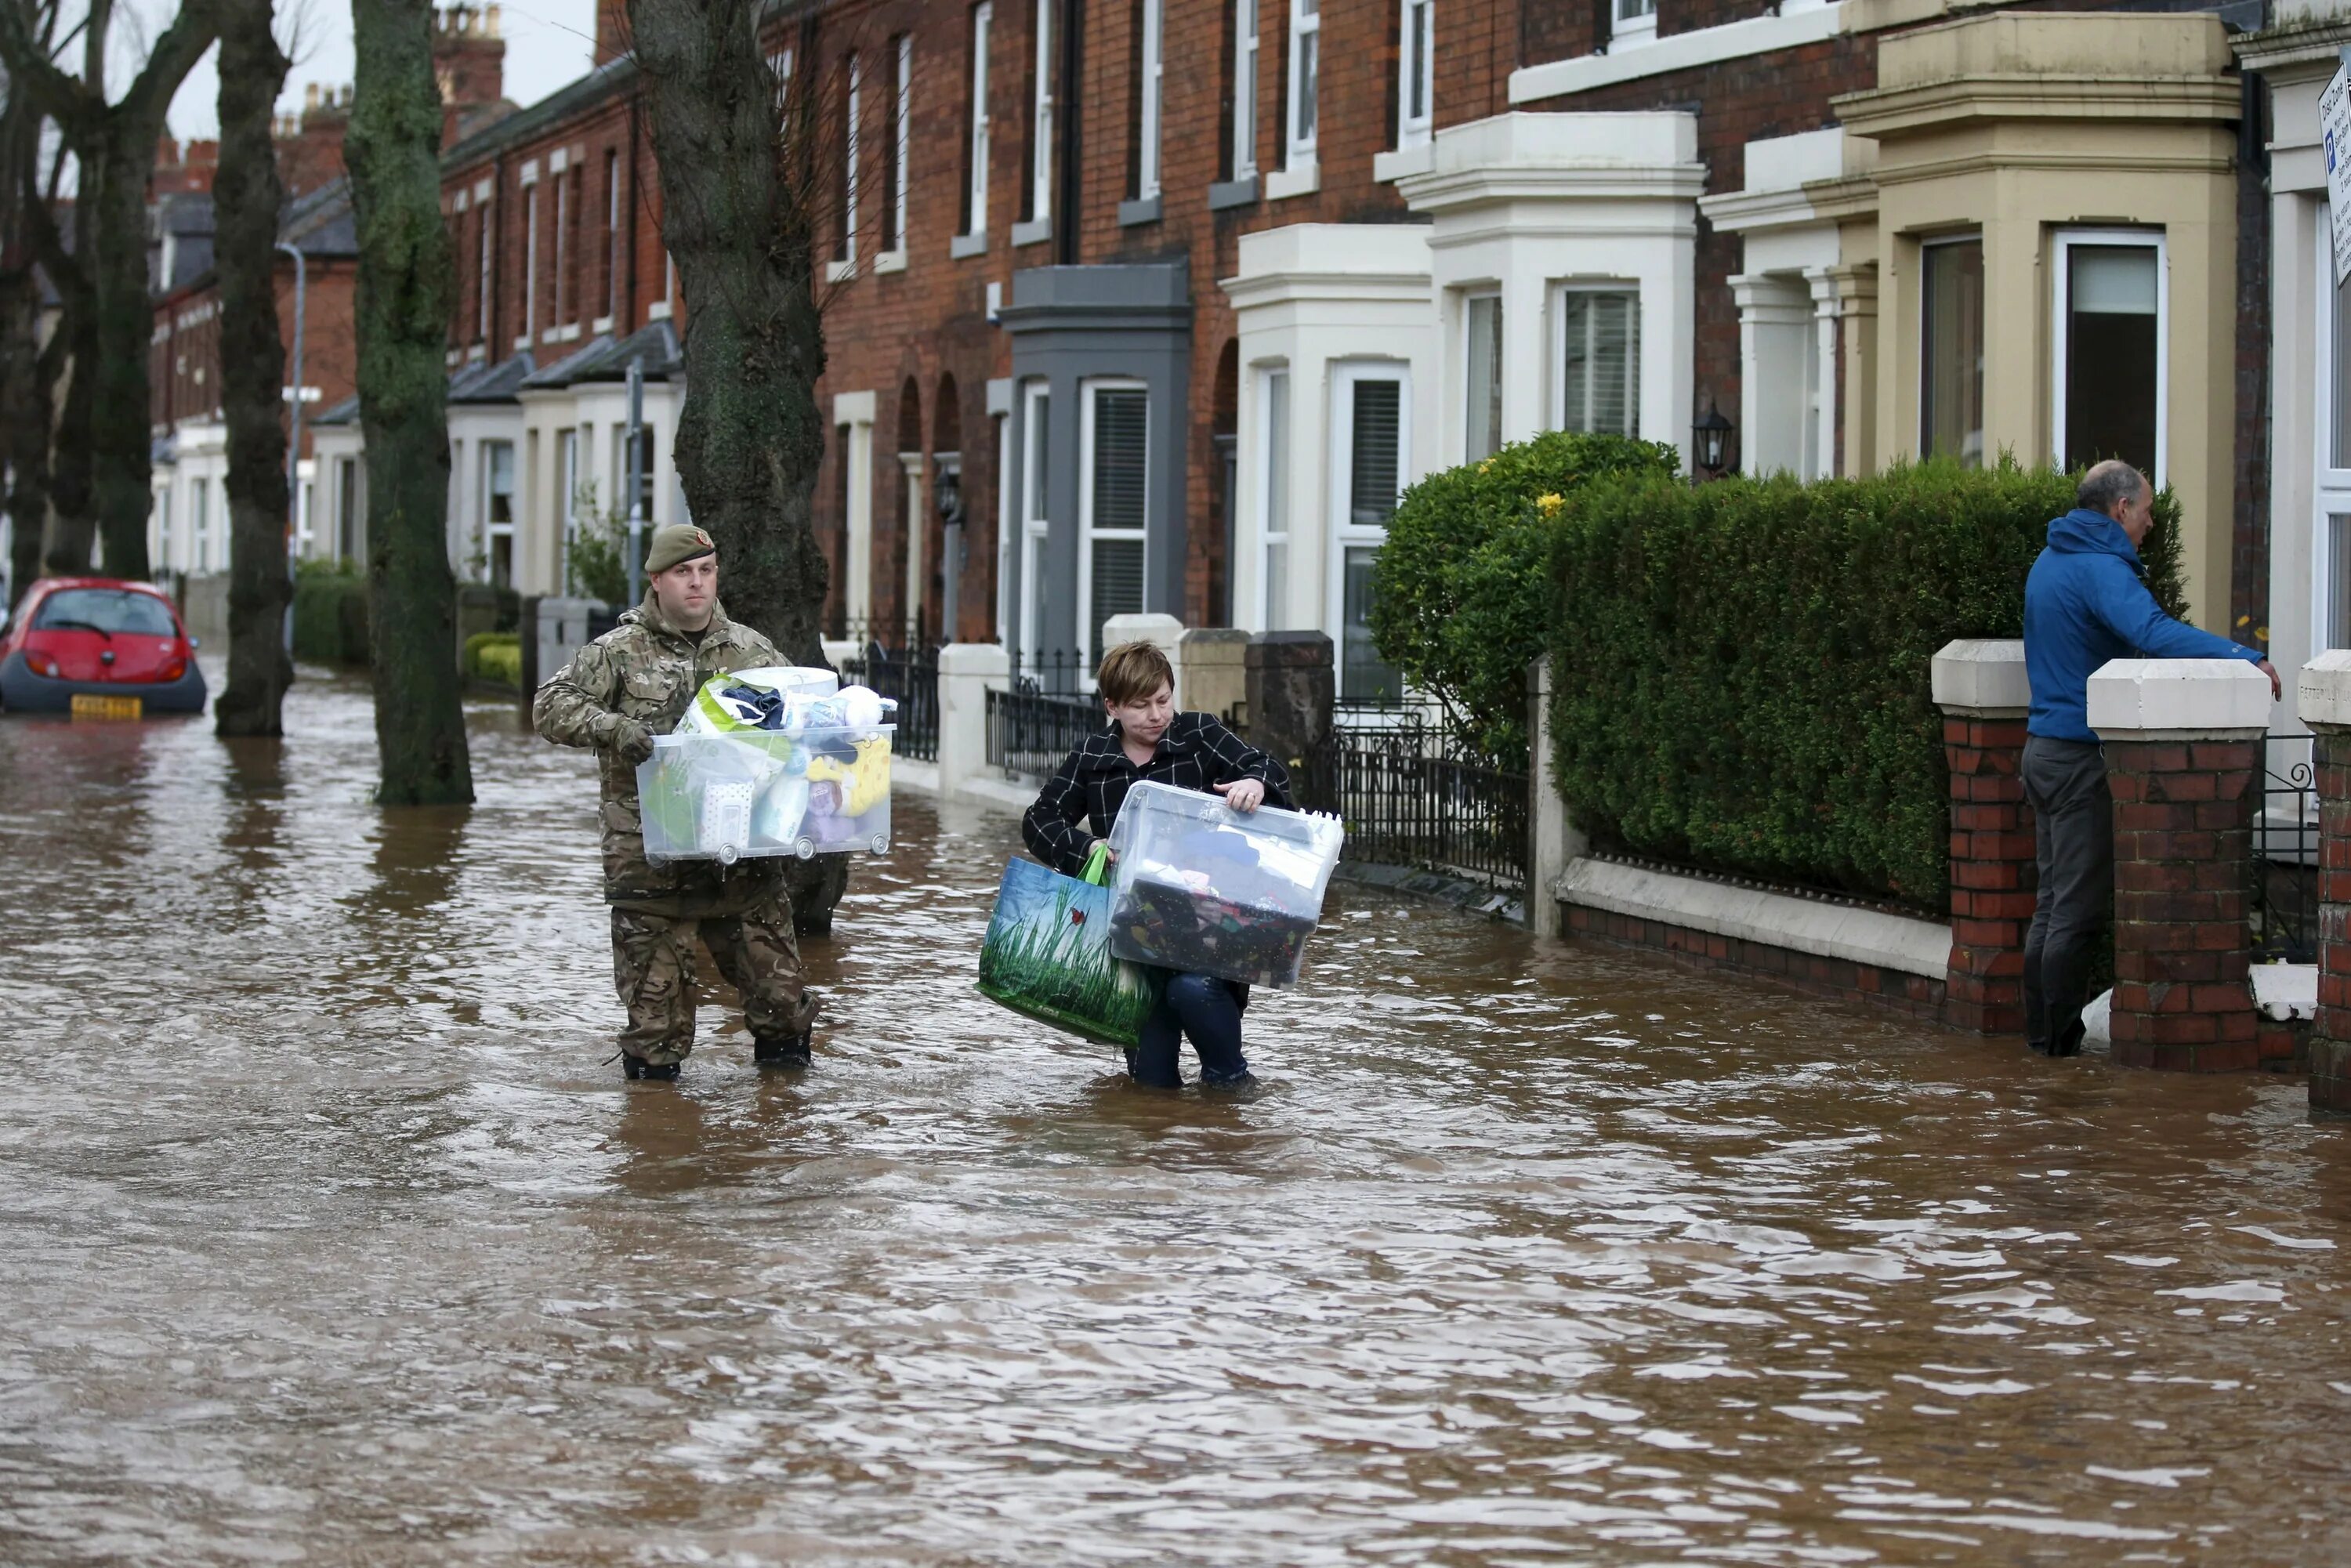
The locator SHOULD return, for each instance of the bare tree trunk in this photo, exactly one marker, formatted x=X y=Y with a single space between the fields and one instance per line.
x=246 y=198
x=735 y=216
x=737 y=211
x=406 y=276
x=115 y=147
x=27 y=375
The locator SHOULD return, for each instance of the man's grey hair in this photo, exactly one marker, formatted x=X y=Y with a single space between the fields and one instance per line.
x=2107 y=483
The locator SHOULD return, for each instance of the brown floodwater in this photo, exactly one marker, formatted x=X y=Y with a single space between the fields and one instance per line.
x=329 y=1237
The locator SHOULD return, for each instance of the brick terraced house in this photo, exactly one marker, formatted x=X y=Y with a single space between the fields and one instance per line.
x=1157 y=304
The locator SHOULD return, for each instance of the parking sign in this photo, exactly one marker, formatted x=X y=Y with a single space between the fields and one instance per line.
x=2335 y=130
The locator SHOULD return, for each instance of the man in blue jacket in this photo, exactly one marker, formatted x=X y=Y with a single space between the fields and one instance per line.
x=2085 y=602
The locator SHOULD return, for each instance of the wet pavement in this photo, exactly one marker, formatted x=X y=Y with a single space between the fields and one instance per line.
x=329 y=1237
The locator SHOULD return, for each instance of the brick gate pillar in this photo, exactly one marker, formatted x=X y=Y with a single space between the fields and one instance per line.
x=1981 y=689
x=2183 y=743
x=2323 y=693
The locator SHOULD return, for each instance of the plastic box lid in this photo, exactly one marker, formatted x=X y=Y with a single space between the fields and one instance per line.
x=1269 y=858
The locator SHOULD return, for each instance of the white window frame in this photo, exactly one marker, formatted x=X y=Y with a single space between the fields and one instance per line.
x=1470 y=387
x=1041 y=154
x=562 y=203
x=1087 y=532
x=529 y=265
x=2060 y=302
x=849 y=175
x=1557 y=334
x=902 y=142
x=200 y=522
x=482 y=273
x=1416 y=58
x=492 y=530
x=1926 y=326
x=1305 y=22
x=1153 y=26
x=1632 y=23
x=2331 y=489
x=612 y=235
x=1346 y=375
x=1035 y=522
x=1274 y=489
x=982 y=24
x=1245 y=30
x=163 y=526
x=567 y=442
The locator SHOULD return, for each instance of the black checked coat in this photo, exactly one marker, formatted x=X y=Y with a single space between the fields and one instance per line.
x=1081 y=800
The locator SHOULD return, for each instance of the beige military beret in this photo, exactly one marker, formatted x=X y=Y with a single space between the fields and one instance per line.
x=676 y=544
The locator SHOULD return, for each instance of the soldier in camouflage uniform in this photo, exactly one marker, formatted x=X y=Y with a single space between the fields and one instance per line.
x=618 y=693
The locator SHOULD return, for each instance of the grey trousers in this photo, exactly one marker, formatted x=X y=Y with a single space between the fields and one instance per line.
x=2073 y=843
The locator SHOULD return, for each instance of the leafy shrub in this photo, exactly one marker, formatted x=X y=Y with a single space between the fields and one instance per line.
x=1463 y=596
x=596 y=563
x=1740 y=671
x=330 y=614
x=494 y=656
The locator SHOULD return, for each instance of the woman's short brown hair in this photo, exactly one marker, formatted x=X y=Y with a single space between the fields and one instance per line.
x=1132 y=672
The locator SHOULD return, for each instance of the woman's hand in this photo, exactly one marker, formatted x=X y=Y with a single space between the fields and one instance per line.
x=1243 y=795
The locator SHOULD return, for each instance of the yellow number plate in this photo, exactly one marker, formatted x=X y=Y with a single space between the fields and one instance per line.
x=89 y=704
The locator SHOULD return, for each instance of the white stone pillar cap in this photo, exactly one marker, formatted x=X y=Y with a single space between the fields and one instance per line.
x=1983 y=677
x=2179 y=699
x=974 y=659
x=2322 y=691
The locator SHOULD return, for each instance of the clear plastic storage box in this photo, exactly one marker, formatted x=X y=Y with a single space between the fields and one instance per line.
x=758 y=793
x=1201 y=888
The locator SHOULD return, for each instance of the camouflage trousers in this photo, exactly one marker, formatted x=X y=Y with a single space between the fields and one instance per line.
x=652 y=968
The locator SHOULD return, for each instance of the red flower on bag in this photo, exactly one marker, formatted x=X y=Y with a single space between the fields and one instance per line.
x=1077 y=917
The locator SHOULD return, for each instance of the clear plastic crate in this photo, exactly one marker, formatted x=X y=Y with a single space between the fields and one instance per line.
x=1201 y=888
x=760 y=793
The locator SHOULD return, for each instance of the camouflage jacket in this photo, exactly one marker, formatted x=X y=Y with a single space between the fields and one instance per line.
x=647 y=670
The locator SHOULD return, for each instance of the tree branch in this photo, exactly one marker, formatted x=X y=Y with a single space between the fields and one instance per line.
x=75 y=105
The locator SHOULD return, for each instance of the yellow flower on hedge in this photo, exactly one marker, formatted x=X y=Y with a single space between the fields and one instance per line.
x=1551 y=503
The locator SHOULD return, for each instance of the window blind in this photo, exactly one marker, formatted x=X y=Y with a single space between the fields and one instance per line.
x=1371 y=493
x=1601 y=375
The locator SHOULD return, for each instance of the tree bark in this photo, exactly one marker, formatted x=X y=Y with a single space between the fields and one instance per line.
x=738 y=204
x=28 y=368
x=405 y=281
x=114 y=145
x=736 y=217
x=246 y=199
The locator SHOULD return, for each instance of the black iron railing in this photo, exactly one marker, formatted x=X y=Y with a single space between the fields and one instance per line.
x=1042 y=717
x=1409 y=798
x=910 y=673
x=2284 y=912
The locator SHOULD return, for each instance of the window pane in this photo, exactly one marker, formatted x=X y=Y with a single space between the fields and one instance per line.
x=1121 y=455
x=1600 y=378
x=1362 y=677
x=1277 y=501
x=1277 y=586
x=1307 y=46
x=1371 y=486
x=1416 y=101
x=1950 y=417
x=110 y=609
x=1039 y=418
x=2111 y=333
x=1485 y=377
x=1117 y=583
x=2338 y=582
x=2341 y=456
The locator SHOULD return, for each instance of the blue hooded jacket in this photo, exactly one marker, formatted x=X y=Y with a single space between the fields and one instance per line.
x=2085 y=602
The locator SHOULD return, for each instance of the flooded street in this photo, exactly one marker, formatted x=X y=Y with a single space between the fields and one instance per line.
x=330 y=1237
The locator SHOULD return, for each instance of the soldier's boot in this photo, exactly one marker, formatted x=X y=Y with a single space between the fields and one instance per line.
x=783 y=1050
x=633 y=1068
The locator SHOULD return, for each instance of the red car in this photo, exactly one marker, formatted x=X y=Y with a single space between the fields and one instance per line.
x=97 y=636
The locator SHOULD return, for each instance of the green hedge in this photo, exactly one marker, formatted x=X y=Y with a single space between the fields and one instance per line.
x=1741 y=670
x=1462 y=593
x=494 y=656
x=330 y=614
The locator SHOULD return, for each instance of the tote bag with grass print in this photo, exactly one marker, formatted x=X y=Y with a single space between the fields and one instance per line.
x=1047 y=954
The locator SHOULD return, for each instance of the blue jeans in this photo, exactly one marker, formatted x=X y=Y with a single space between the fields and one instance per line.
x=1204 y=1008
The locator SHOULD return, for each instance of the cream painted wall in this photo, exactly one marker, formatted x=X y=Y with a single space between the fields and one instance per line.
x=2015 y=126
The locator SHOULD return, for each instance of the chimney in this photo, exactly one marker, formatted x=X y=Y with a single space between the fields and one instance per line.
x=611 y=30
x=469 y=61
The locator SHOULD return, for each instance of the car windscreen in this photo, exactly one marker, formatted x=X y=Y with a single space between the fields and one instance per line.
x=111 y=610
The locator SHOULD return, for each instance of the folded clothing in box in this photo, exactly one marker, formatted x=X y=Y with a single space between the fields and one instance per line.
x=755 y=793
x=1204 y=889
